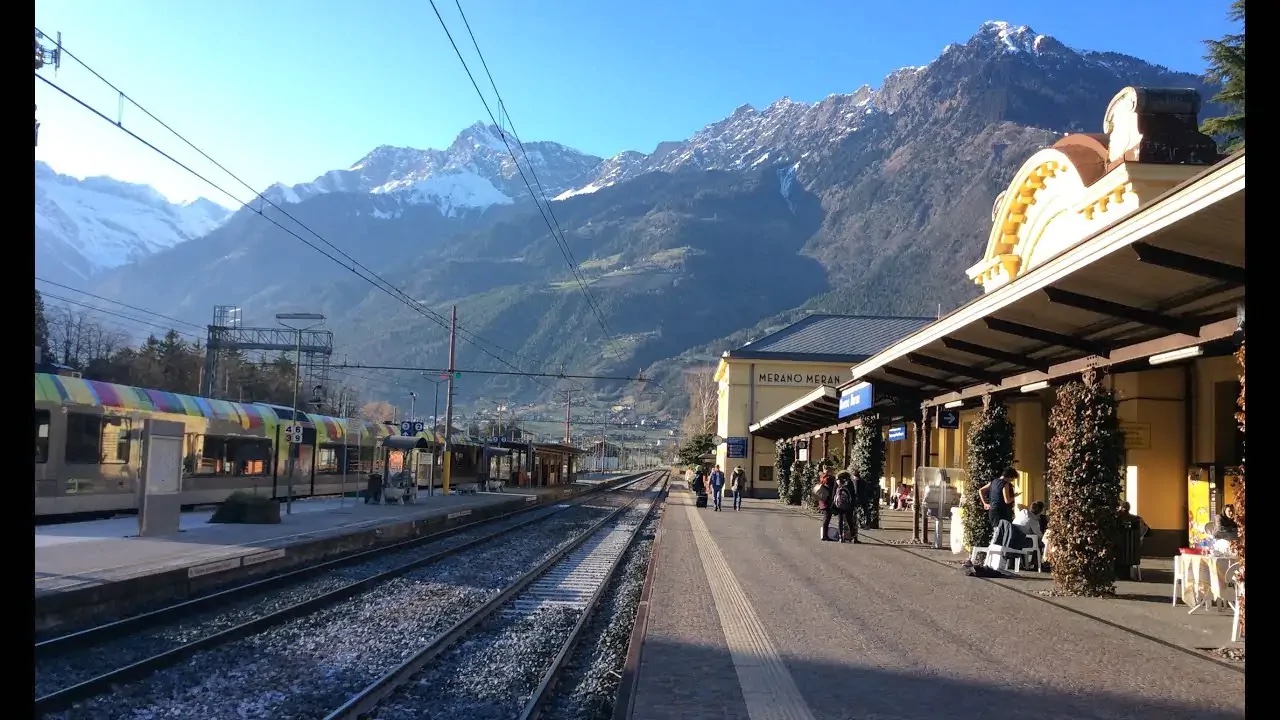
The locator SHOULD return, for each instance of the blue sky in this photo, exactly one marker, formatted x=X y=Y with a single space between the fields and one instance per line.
x=285 y=90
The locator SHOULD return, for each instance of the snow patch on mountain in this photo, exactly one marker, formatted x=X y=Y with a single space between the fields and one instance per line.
x=85 y=226
x=484 y=166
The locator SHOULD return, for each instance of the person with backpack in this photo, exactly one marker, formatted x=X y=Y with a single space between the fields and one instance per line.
x=822 y=493
x=738 y=484
x=699 y=487
x=717 y=486
x=845 y=501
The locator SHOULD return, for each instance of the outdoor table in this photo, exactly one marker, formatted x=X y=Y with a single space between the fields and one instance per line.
x=1204 y=579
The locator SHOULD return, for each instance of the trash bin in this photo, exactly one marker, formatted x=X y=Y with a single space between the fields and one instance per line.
x=957 y=531
x=373 y=488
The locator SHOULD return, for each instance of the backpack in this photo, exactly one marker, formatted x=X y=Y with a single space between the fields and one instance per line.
x=822 y=492
x=844 y=496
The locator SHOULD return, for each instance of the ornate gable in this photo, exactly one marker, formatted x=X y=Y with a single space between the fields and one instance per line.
x=1086 y=182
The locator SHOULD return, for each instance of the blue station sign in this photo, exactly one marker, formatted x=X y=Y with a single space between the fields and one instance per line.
x=856 y=399
x=897 y=432
x=735 y=447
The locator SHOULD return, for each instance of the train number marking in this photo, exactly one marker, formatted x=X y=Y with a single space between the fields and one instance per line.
x=458 y=514
x=264 y=556
x=213 y=567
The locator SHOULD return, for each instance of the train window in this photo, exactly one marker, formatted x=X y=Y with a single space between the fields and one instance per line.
x=327 y=460
x=241 y=457
x=94 y=439
x=42 y=436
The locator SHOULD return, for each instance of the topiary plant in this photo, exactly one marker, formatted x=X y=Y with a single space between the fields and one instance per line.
x=1238 y=544
x=1085 y=476
x=866 y=458
x=990 y=453
x=784 y=458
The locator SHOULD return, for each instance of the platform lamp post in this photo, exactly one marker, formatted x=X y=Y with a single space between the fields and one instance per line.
x=315 y=320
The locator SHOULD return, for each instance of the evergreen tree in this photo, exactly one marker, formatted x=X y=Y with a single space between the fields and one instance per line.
x=784 y=458
x=1085 y=476
x=990 y=453
x=1226 y=67
x=42 y=329
x=691 y=451
x=866 y=458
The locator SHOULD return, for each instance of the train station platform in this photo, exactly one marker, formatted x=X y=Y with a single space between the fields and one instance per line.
x=90 y=569
x=749 y=615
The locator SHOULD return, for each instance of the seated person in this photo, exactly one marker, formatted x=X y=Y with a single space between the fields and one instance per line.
x=1031 y=520
x=1228 y=528
x=1125 y=515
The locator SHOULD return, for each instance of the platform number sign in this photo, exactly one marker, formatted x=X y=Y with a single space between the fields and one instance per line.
x=410 y=427
x=294 y=433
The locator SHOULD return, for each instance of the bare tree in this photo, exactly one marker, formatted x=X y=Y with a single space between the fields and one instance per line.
x=378 y=411
x=704 y=402
x=77 y=339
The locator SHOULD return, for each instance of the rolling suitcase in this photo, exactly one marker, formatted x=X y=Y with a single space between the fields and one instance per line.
x=702 y=501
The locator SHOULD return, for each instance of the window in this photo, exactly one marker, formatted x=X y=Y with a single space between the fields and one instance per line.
x=42 y=436
x=236 y=456
x=96 y=439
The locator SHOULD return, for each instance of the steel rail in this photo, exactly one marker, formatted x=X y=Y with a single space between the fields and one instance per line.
x=368 y=699
x=79 y=639
x=65 y=697
x=537 y=702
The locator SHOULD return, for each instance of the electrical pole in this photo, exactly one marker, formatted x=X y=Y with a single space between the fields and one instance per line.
x=294 y=449
x=448 y=403
x=568 y=414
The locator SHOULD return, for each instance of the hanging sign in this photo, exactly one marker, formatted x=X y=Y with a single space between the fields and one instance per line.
x=855 y=399
x=897 y=432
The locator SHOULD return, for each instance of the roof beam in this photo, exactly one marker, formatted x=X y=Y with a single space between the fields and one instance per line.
x=915 y=377
x=1046 y=336
x=1219 y=330
x=1189 y=264
x=951 y=367
x=994 y=354
x=1067 y=298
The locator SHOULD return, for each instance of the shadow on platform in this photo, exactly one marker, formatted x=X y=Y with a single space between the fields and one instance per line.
x=854 y=691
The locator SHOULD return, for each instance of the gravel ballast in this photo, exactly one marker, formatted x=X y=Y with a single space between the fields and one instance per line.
x=491 y=673
x=588 y=686
x=67 y=669
x=310 y=665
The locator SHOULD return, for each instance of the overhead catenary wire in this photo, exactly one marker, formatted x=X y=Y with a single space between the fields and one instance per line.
x=552 y=225
x=380 y=283
x=117 y=302
x=356 y=267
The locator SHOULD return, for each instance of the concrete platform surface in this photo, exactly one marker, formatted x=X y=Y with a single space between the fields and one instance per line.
x=74 y=555
x=752 y=617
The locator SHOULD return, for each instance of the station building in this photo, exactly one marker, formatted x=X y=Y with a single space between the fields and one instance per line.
x=1122 y=251
x=774 y=371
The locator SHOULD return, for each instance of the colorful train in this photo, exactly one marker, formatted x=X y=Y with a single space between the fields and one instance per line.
x=89 y=447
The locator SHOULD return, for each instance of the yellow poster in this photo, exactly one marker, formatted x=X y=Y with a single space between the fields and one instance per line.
x=1200 y=518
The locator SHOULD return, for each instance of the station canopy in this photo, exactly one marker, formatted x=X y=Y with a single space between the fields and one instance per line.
x=1167 y=277
x=816 y=409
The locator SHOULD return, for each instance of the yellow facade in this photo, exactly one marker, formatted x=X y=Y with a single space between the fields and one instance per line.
x=751 y=390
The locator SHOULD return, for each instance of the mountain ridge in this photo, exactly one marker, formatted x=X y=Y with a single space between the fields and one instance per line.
x=827 y=205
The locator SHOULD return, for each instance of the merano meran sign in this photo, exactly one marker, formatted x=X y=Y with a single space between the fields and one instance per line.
x=805 y=379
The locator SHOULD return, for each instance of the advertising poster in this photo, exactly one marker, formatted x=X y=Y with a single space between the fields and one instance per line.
x=1200 y=511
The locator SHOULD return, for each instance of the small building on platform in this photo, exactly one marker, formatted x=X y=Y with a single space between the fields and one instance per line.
x=765 y=375
x=1122 y=252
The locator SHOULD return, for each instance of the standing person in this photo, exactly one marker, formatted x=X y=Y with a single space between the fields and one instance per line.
x=997 y=497
x=738 y=484
x=845 y=500
x=822 y=491
x=717 y=486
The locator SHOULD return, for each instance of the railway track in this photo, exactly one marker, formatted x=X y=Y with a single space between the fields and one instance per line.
x=69 y=668
x=503 y=659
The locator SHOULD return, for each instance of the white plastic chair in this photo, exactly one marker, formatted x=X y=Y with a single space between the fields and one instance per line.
x=1179 y=579
x=1235 y=616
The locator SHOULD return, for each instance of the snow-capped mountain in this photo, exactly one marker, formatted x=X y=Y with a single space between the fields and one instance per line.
x=788 y=132
x=476 y=171
x=86 y=226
